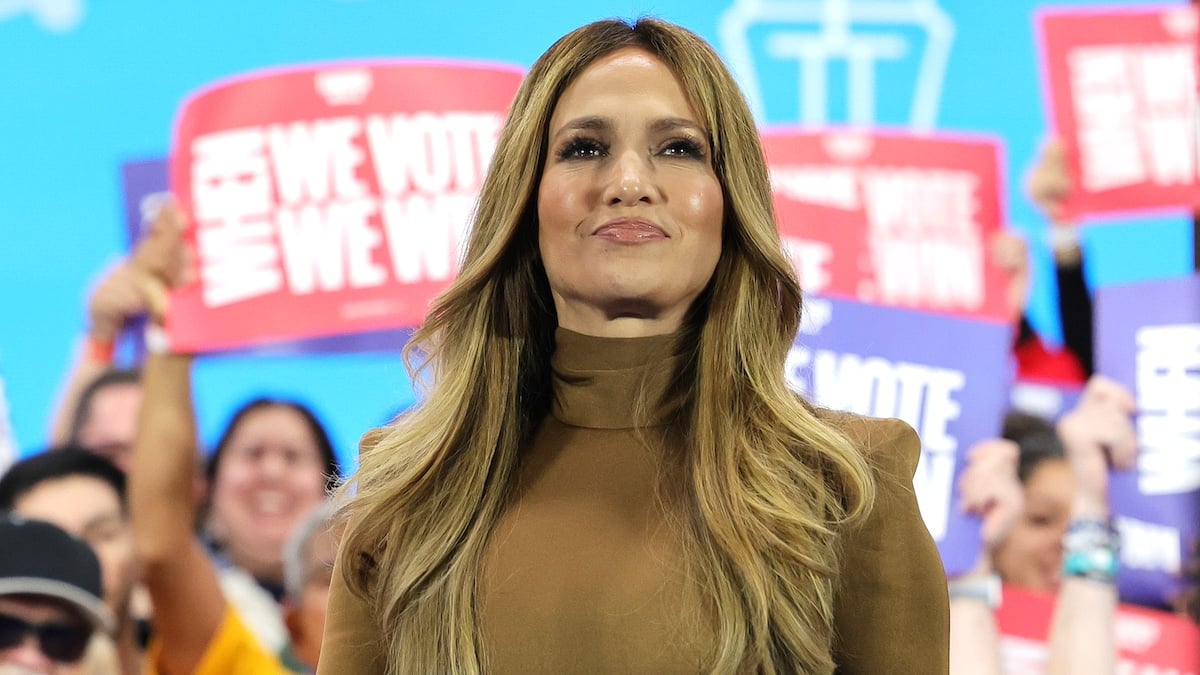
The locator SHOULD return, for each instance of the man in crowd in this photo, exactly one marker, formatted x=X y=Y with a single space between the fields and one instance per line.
x=84 y=495
x=50 y=604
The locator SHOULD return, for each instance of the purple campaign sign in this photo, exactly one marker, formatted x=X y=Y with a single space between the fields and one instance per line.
x=948 y=377
x=1149 y=340
x=145 y=185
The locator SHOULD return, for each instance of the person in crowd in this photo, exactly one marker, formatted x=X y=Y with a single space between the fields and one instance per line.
x=1049 y=186
x=273 y=464
x=308 y=570
x=98 y=406
x=84 y=494
x=608 y=473
x=105 y=415
x=50 y=599
x=1055 y=536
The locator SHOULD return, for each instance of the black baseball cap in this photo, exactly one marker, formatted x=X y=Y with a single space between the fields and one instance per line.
x=37 y=558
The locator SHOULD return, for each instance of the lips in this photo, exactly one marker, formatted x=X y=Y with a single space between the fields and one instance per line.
x=630 y=231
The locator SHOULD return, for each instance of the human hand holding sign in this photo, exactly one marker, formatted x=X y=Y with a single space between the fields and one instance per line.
x=161 y=262
x=1098 y=434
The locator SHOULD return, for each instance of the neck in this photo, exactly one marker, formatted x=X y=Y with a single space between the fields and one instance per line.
x=623 y=321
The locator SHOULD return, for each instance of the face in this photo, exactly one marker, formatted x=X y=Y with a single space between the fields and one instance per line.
x=111 y=424
x=629 y=207
x=21 y=653
x=90 y=509
x=270 y=475
x=1031 y=555
x=306 y=614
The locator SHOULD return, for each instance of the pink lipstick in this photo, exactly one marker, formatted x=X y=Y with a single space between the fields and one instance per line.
x=630 y=231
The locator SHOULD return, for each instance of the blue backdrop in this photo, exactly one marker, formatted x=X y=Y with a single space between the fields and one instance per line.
x=87 y=85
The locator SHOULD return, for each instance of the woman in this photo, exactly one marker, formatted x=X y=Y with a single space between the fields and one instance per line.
x=608 y=473
x=1030 y=555
x=273 y=464
x=1042 y=496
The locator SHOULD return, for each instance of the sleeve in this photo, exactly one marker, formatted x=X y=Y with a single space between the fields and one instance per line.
x=352 y=643
x=1075 y=314
x=233 y=650
x=892 y=610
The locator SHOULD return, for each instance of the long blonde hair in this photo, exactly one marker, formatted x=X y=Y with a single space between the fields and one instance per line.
x=770 y=484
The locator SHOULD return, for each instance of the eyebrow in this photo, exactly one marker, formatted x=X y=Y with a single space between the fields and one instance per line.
x=599 y=123
x=102 y=519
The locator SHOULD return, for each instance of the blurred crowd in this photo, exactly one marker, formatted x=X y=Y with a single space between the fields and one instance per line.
x=125 y=548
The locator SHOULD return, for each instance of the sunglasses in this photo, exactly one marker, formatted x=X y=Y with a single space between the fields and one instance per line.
x=61 y=642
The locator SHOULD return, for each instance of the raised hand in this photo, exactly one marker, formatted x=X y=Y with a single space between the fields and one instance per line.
x=161 y=261
x=1049 y=182
x=114 y=301
x=989 y=488
x=1011 y=254
x=1098 y=434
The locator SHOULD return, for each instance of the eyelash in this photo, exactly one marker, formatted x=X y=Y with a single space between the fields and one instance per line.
x=587 y=148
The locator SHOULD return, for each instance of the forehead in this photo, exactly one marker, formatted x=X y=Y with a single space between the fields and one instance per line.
x=273 y=420
x=630 y=81
x=1051 y=481
x=70 y=501
x=116 y=395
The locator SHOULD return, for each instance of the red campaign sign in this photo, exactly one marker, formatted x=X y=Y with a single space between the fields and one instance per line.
x=1122 y=93
x=330 y=199
x=891 y=219
x=1148 y=642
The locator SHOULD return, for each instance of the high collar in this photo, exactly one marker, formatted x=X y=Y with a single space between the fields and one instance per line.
x=613 y=383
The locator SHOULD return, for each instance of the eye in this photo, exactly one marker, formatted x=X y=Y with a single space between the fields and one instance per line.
x=582 y=148
x=684 y=148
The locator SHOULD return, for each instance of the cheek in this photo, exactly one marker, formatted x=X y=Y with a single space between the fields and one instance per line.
x=559 y=210
x=232 y=482
x=308 y=484
x=702 y=209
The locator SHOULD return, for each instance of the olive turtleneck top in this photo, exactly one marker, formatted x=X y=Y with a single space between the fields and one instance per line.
x=584 y=572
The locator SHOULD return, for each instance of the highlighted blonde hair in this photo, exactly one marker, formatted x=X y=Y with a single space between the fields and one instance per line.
x=769 y=485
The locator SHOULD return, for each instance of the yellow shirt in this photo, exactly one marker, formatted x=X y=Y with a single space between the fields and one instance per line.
x=233 y=650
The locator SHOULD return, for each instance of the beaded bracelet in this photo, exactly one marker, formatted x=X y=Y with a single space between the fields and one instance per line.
x=1091 y=550
x=99 y=351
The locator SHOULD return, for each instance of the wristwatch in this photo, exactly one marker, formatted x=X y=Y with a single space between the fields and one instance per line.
x=986 y=589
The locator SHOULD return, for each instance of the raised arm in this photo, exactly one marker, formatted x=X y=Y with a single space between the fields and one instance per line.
x=1097 y=434
x=989 y=487
x=112 y=303
x=188 y=605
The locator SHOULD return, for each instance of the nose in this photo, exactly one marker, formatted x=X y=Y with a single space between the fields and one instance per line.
x=631 y=180
x=25 y=657
x=273 y=465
